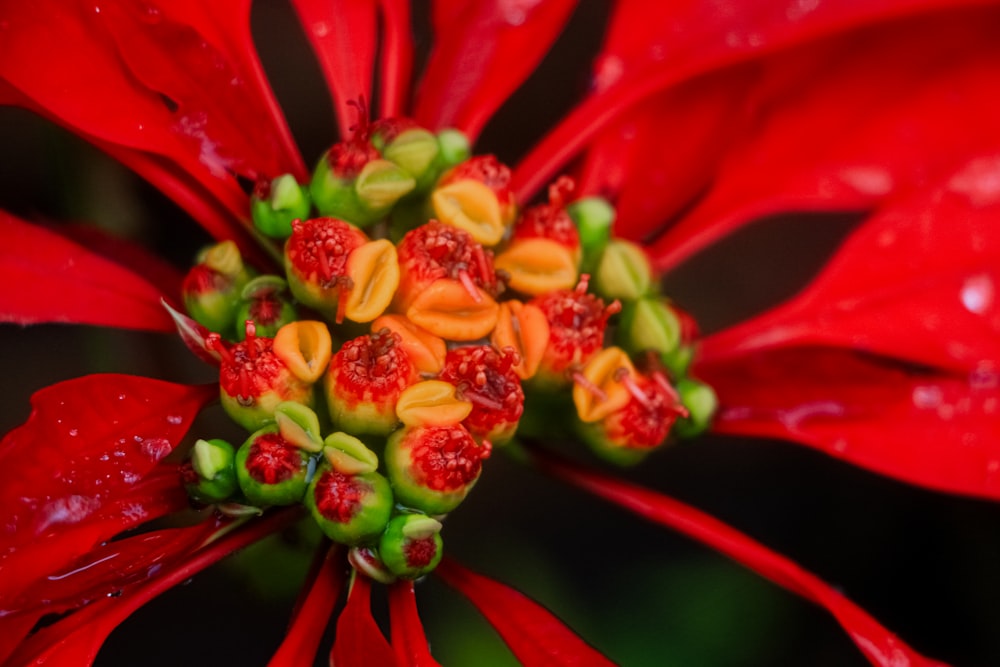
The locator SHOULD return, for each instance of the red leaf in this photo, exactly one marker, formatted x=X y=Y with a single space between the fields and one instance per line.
x=75 y=640
x=343 y=35
x=395 y=57
x=311 y=618
x=935 y=430
x=88 y=442
x=916 y=282
x=408 y=637
x=52 y=279
x=879 y=645
x=482 y=52
x=534 y=635
x=359 y=641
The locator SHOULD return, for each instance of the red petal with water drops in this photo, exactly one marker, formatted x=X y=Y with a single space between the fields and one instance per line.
x=359 y=641
x=408 y=637
x=916 y=282
x=482 y=52
x=49 y=278
x=890 y=112
x=313 y=614
x=343 y=33
x=930 y=429
x=87 y=442
x=75 y=640
x=534 y=635
x=879 y=645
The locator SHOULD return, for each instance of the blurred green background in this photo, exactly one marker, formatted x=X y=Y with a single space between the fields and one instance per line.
x=924 y=564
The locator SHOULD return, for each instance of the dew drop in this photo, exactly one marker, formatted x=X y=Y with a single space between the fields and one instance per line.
x=155 y=448
x=321 y=29
x=609 y=71
x=73 y=432
x=927 y=397
x=800 y=8
x=121 y=397
x=977 y=294
x=175 y=420
x=868 y=180
x=979 y=181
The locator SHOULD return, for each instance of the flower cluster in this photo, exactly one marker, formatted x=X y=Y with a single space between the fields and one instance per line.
x=383 y=324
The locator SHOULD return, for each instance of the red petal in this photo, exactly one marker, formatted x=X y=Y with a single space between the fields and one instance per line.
x=534 y=635
x=359 y=641
x=917 y=282
x=75 y=640
x=934 y=430
x=408 y=637
x=311 y=618
x=879 y=645
x=194 y=336
x=343 y=35
x=396 y=57
x=49 y=278
x=482 y=52
x=87 y=442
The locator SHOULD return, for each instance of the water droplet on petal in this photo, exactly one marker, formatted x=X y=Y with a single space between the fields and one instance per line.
x=979 y=181
x=977 y=294
x=867 y=180
x=73 y=432
x=321 y=29
x=925 y=397
x=175 y=420
x=155 y=448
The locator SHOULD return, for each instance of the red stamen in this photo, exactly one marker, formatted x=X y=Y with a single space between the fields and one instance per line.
x=581 y=287
x=469 y=285
x=612 y=308
x=581 y=379
x=560 y=191
x=251 y=339
x=482 y=401
x=342 y=295
x=637 y=392
x=213 y=341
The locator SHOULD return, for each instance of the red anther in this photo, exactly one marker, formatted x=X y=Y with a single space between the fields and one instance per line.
x=342 y=294
x=251 y=339
x=560 y=191
x=581 y=287
x=469 y=285
x=479 y=400
x=612 y=308
x=213 y=341
x=637 y=392
x=581 y=379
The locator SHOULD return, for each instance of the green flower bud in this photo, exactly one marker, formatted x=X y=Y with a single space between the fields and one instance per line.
x=275 y=204
x=648 y=324
x=349 y=509
x=211 y=289
x=454 y=147
x=678 y=360
x=298 y=425
x=348 y=454
x=433 y=468
x=212 y=476
x=594 y=217
x=271 y=470
x=623 y=271
x=701 y=403
x=416 y=150
x=411 y=545
x=264 y=301
x=361 y=198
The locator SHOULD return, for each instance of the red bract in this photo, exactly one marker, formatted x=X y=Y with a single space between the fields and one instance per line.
x=699 y=120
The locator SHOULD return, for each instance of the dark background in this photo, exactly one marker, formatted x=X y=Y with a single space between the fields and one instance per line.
x=924 y=564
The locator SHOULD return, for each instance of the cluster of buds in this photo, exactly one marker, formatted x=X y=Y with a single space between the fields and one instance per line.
x=421 y=321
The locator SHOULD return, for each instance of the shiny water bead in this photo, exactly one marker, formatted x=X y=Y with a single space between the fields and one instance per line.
x=433 y=468
x=253 y=380
x=316 y=263
x=271 y=470
x=364 y=381
x=484 y=376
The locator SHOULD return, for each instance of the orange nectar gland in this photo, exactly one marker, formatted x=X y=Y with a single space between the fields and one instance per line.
x=577 y=322
x=364 y=382
x=316 y=259
x=484 y=376
x=523 y=328
x=447 y=283
x=424 y=349
x=253 y=380
x=475 y=196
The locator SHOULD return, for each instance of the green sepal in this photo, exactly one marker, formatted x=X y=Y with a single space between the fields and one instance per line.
x=411 y=545
x=214 y=463
x=701 y=403
x=288 y=201
x=594 y=218
x=648 y=324
x=623 y=271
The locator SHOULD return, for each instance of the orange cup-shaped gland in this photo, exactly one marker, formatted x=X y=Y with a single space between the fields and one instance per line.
x=538 y=266
x=451 y=310
x=472 y=206
x=424 y=349
x=374 y=274
x=525 y=328
x=305 y=348
x=599 y=390
x=432 y=403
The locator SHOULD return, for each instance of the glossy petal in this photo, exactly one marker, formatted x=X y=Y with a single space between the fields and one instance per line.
x=916 y=282
x=534 y=635
x=313 y=614
x=930 y=429
x=343 y=35
x=408 y=639
x=87 y=443
x=359 y=641
x=482 y=52
x=75 y=640
x=396 y=58
x=879 y=645
x=49 y=278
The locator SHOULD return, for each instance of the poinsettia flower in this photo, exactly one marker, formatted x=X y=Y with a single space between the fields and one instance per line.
x=701 y=119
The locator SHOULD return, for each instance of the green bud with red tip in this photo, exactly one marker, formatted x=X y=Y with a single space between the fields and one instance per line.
x=701 y=403
x=212 y=288
x=209 y=474
x=433 y=468
x=349 y=500
x=594 y=218
x=648 y=323
x=411 y=545
x=623 y=271
x=271 y=470
x=266 y=303
x=275 y=204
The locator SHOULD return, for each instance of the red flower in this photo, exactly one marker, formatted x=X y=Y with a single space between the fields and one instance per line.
x=701 y=119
